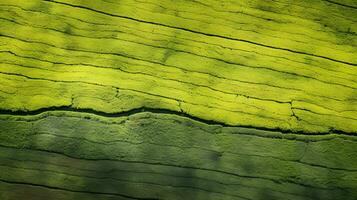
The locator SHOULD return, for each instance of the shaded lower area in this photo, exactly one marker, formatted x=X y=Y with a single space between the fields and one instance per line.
x=72 y=155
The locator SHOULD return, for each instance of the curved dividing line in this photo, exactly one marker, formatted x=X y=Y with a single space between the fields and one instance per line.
x=75 y=191
x=163 y=111
x=277 y=181
x=202 y=33
x=340 y=4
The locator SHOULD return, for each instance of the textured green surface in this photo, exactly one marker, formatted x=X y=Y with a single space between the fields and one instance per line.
x=169 y=157
x=178 y=99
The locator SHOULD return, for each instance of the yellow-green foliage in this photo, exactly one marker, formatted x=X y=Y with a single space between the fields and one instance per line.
x=277 y=79
x=247 y=63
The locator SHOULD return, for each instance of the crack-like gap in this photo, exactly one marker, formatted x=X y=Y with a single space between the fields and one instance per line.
x=163 y=111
